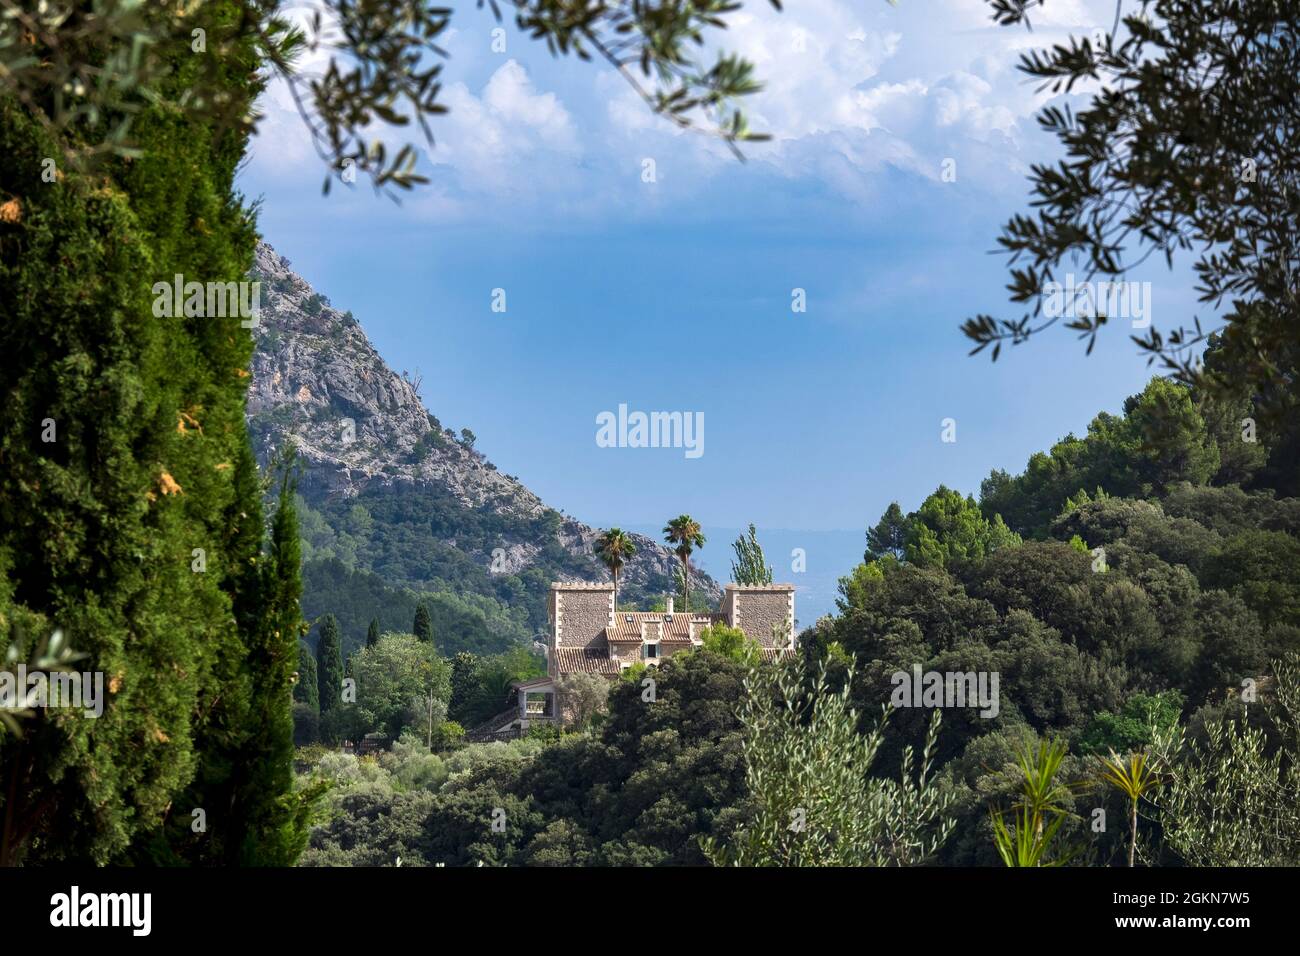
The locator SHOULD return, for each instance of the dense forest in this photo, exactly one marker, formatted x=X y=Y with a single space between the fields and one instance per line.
x=1131 y=597
x=379 y=554
x=1110 y=617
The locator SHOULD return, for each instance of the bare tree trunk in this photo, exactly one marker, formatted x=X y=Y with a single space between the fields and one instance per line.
x=1133 y=834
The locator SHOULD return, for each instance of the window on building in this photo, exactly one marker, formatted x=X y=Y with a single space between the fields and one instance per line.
x=649 y=650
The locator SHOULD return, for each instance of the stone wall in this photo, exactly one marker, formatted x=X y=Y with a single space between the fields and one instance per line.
x=579 y=613
x=756 y=609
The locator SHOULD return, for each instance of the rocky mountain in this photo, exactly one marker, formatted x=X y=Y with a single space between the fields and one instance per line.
x=398 y=508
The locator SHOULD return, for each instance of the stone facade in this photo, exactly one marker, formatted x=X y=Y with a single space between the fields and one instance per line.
x=758 y=609
x=580 y=613
x=589 y=636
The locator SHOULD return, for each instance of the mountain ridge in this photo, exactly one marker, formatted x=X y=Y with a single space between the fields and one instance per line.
x=364 y=437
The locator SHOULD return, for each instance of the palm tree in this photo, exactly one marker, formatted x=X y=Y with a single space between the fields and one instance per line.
x=613 y=548
x=684 y=531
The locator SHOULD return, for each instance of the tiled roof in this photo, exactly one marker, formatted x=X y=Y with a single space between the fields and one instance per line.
x=773 y=653
x=677 y=630
x=494 y=724
x=588 y=660
x=534 y=682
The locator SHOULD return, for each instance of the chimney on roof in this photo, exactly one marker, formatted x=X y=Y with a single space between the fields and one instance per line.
x=668 y=606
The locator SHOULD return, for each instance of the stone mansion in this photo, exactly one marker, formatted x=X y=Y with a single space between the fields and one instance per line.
x=589 y=636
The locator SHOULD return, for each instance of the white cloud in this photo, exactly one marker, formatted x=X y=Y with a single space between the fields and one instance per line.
x=852 y=89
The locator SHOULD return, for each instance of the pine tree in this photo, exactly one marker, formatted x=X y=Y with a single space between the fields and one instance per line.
x=372 y=632
x=329 y=665
x=423 y=627
x=889 y=536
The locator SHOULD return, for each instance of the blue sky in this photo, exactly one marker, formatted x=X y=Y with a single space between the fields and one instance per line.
x=676 y=295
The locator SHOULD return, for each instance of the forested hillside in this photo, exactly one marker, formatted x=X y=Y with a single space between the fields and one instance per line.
x=395 y=507
x=302 y=606
x=1134 y=587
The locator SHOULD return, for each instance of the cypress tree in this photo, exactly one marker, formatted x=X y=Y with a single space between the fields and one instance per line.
x=372 y=632
x=270 y=821
x=423 y=627
x=123 y=521
x=306 y=691
x=466 y=686
x=329 y=665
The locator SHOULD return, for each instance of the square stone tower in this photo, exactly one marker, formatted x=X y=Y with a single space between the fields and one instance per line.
x=762 y=611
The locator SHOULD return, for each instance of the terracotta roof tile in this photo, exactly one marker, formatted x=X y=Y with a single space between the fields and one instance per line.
x=676 y=630
x=587 y=660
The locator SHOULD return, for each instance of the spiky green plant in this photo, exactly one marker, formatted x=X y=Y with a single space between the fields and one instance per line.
x=1040 y=813
x=1134 y=777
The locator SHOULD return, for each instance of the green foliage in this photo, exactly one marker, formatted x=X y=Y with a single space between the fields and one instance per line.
x=329 y=665
x=1033 y=837
x=750 y=566
x=637 y=791
x=466 y=682
x=86 y=73
x=136 y=528
x=889 y=536
x=248 y=748
x=731 y=643
x=306 y=689
x=684 y=532
x=613 y=548
x=634 y=673
x=1202 y=167
x=1229 y=797
x=583 y=698
x=372 y=632
x=1162 y=440
x=481 y=687
x=423 y=626
x=401 y=683
x=809 y=770
x=948 y=527
x=1142 y=719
